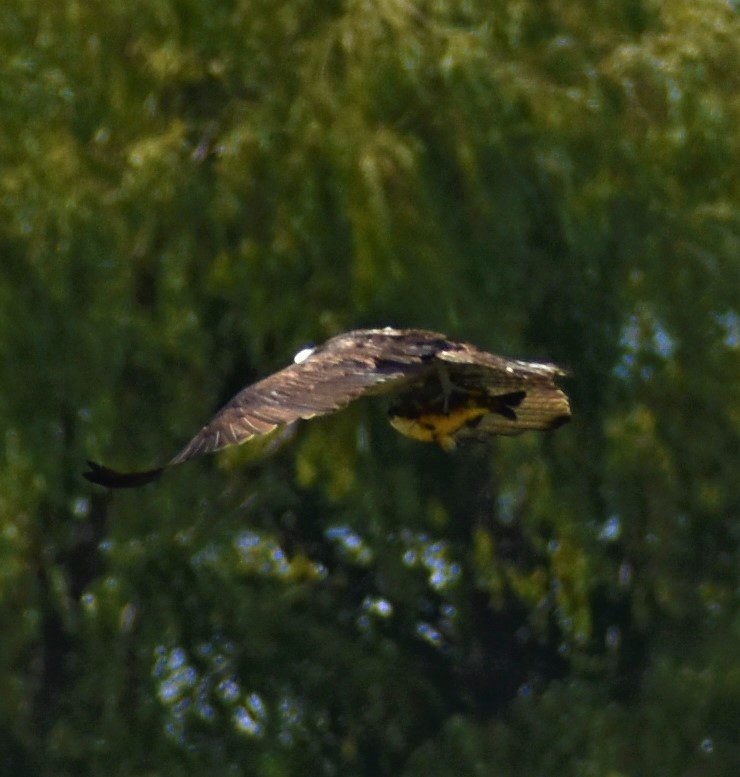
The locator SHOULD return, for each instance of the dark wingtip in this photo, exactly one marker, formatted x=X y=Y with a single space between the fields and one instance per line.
x=109 y=478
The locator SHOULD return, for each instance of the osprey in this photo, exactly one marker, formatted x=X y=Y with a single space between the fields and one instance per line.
x=445 y=391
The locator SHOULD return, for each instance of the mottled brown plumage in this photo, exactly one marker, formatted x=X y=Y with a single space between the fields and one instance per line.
x=446 y=392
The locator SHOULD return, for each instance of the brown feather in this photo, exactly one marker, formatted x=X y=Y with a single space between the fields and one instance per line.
x=416 y=364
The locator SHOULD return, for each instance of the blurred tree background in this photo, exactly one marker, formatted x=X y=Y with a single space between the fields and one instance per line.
x=192 y=191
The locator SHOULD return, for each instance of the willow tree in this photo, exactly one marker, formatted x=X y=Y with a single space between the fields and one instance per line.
x=191 y=192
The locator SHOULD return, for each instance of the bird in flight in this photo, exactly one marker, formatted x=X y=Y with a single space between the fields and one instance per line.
x=444 y=391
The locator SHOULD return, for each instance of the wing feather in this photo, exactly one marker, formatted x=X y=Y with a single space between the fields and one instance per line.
x=326 y=380
x=416 y=363
x=321 y=384
x=544 y=405
x=484 y=395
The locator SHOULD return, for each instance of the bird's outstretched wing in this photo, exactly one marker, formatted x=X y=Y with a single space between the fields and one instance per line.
x=447 y=391
x=320 y=381
x=543 y=406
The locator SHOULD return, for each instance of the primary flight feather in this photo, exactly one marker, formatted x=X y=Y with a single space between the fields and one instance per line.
x=446 y=391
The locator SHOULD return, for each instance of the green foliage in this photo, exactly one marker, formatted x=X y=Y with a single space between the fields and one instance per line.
x=190 y=192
